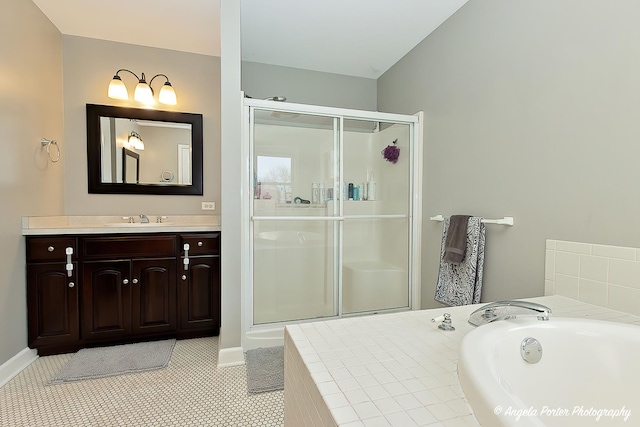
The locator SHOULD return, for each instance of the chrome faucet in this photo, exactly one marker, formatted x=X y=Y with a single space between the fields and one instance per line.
x=501 y=310
x=144 y=219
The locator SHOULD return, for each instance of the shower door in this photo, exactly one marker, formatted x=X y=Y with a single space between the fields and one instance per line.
x=377 y=227
x=330 y=219
x=295 y=165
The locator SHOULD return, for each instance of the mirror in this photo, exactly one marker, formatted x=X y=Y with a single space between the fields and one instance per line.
x=139 y=151
x=131 y=167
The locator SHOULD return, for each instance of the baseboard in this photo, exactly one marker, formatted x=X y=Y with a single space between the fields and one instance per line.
x=16 y=364
x=230 y=357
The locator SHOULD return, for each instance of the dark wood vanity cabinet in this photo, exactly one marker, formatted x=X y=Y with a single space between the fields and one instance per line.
x=131 y=288
x=52 y=291
x=125 y=298
x=199 y=282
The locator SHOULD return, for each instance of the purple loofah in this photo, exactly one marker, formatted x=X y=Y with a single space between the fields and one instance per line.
x=391 y=152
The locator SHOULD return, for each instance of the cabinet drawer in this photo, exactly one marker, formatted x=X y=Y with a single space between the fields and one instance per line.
x=129 y=247
x=50 y=248
x=201 y=244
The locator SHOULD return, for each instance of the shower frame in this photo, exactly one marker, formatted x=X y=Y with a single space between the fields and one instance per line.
x=414 y=212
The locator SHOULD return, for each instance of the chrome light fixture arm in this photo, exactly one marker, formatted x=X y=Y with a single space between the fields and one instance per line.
x=116 y=76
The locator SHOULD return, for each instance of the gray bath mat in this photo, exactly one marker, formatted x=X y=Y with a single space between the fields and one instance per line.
x=116 y=360
x=265 y=369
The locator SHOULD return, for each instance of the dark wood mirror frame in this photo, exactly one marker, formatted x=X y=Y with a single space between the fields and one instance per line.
x=94 y=163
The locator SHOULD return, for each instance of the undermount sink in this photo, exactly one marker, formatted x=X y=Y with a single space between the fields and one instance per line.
x=137 y=224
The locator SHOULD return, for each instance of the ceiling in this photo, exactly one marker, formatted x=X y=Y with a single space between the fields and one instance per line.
x=362 y=38
x=185 y=25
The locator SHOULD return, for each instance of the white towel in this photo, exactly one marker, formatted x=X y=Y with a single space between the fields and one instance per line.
x=461 y=284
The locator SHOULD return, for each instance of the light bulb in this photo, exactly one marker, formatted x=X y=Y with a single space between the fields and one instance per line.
x=167 y=95
x=117 y=89
x=143 y=92
x=135 y=141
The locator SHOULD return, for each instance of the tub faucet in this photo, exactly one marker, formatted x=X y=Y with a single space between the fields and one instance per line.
x=501 y=310
x=144 y=219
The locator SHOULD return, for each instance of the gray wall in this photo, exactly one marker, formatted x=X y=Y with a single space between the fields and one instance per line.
x=532 y=110
x=308 y=87
x=89 y=65
x=30 y=108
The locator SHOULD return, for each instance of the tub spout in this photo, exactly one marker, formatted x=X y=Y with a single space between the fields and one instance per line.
x=501 y=310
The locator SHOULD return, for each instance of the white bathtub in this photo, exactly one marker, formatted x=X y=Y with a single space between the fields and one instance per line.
x=268 y=337
x=290 y=236
x=373 y=285
x=589 y=373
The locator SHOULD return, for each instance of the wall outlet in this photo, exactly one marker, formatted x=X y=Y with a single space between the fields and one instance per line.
x=208 y=206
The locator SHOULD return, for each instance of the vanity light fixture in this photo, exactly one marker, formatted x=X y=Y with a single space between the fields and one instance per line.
x=143 y=92
x=135 y=141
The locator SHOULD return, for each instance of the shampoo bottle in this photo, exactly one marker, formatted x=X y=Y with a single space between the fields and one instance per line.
x=371 y=188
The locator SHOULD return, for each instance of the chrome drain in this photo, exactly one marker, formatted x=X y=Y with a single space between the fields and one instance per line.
x=531 y=350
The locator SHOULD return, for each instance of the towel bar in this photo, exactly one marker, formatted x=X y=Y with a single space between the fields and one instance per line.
x=507 y=220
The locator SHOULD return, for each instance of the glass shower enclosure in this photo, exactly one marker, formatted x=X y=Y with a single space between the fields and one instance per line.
x=333 y=216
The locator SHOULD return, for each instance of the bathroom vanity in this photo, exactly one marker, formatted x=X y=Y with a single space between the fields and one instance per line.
x=90 y=286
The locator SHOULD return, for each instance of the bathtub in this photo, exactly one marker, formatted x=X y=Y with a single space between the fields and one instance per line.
x=589 y=373
x=267 y=337
x=373 y=285
x=290 y=236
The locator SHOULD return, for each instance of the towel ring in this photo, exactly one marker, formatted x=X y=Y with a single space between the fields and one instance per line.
x=48 y=143
x=167 y=176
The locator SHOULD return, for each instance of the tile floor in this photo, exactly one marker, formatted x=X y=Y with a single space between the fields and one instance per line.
x=191 y=391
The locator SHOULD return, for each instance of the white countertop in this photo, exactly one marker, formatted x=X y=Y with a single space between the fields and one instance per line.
x=102 y=224
x=399 y=369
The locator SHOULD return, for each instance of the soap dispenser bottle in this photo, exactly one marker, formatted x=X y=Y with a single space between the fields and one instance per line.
x=371 y=188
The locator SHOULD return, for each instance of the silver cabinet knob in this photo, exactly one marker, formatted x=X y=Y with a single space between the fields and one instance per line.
x=71 y=284
x=51 y=248
x=135 y=281
x=125 y=282
x=199 y=243
x=184 y=277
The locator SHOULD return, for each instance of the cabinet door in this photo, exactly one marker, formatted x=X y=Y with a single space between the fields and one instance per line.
x=153 y=287
x=106 y=300
x=199 y=295
x=52 y=302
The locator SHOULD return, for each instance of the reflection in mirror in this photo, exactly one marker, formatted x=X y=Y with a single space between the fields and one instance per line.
x=160 y=147
x=130 y=167
x=143 y=151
